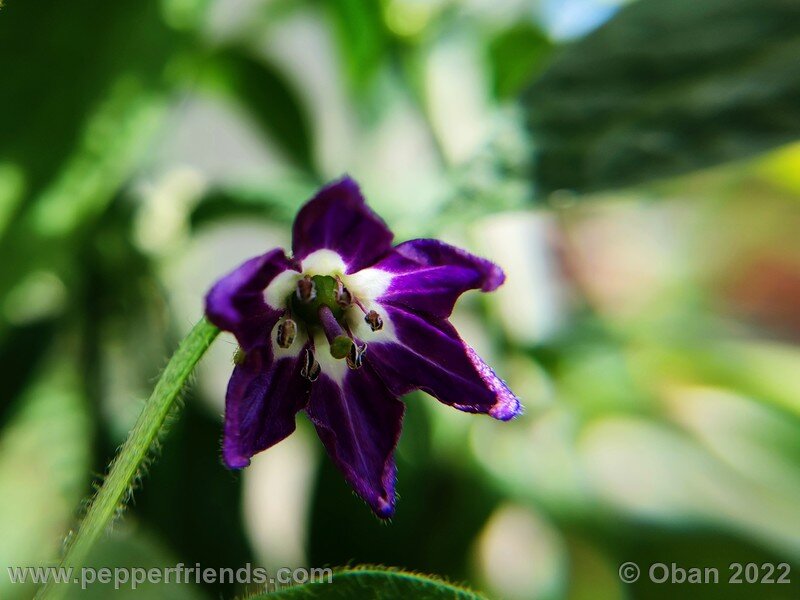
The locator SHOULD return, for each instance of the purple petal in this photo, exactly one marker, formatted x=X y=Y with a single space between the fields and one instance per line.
x=236 y=302
x=429 y=355
x=430 y=276
x=359 y=423
x=264 y=395
x=338 y=219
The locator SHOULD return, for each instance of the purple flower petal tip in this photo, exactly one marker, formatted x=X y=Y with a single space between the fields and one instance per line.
x=395 y=300
x=384 y=509
x=505 y=410
x=495 y=277
x=235 y=461
x=507 y=405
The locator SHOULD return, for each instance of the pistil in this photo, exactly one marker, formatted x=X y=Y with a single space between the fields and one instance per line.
x=339 y=341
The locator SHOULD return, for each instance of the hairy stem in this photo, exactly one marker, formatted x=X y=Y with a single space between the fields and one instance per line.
x=129 y=460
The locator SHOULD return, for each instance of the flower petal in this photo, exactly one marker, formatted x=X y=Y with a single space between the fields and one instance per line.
x=430 y=275
x=430 y=355
x=338 y=219
x=359 y=423
x=264 y=395
x=236 y=302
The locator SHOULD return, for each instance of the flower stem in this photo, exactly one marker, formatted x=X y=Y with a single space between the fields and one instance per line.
x=127 y=465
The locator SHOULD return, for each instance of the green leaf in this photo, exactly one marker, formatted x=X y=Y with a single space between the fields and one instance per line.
x=267 y=96
x=114 y=140
x=44 y=458
x=51 y=87
x=362 y=37
x=375 y=583
x=665 y=87
x=516 y=55
x=12 y=186
x=132 y=548
x=78 y=113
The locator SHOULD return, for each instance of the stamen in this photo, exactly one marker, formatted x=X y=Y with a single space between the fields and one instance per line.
x=287 y=330
x=355 y=358
x=239 y=355
x=374 y=320
x=311 y=368
x=357 y=302
x=306 y=290
x=338 y=340
x=343 y=296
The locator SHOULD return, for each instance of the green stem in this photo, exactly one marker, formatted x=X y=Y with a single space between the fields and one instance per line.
x=128 y=463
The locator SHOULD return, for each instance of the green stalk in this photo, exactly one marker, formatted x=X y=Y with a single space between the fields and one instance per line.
x=129 y=460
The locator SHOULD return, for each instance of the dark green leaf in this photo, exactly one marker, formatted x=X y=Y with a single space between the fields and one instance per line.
x=516 y=55
x=275 y=201
x=114 y=139
x=665 y=87
x=263 y=91
x=77 y=111
x=44 y=458
x=375 y=583
x=132 y=548
x=362 y=37
x=59 y=60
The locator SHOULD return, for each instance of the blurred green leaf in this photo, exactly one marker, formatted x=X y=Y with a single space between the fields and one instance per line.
x=112 y=141
x=362 y=37
x=704 y=548
x=593 y=575
x=516 y=54
x=115 y=138
x=376 y=583
x=131 y=548
x=44 y=460
x=12 y=187
x=52 y=86
x=21 y=353
x=78 y=112
x=275 y=201
x=665 y=87
x=186 y=14
x=263 y=91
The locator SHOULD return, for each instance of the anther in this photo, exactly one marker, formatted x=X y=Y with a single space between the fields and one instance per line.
x=287 y=330
x=306 y=290
x=374 y=320
x=239 y=356
x=343 y=296
x=311 y=368
x=355 y=358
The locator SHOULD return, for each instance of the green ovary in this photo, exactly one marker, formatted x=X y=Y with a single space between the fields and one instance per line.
x=308 y=312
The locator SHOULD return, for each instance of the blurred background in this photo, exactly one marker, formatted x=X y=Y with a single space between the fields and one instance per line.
x=631 y=167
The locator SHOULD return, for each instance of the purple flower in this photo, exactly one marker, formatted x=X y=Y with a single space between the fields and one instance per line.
x=343 y=328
